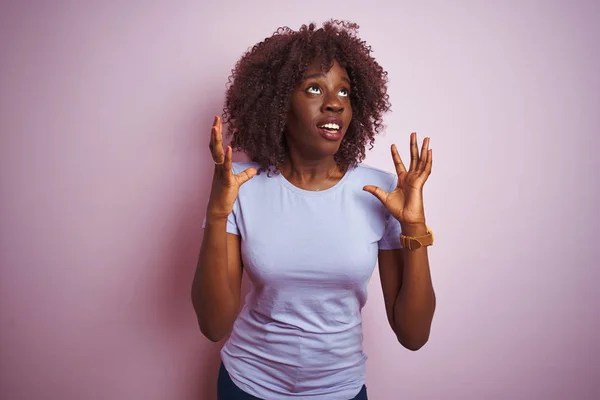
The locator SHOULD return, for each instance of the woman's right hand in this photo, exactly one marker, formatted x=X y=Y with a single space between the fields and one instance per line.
x=226 y=184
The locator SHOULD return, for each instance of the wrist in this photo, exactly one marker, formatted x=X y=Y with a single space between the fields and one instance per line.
x=213 y=217
x=415 y=230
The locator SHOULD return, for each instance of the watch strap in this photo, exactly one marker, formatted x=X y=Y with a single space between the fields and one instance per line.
x=416 y=242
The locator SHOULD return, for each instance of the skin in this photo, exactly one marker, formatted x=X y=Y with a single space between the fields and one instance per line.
x=405 y=274
x=320 y=95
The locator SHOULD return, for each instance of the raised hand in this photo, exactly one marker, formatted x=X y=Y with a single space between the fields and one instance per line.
x=226 y=184
x=405 y=203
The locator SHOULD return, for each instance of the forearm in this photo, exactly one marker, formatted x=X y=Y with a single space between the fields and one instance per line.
x=415 y=302
x=212 y=295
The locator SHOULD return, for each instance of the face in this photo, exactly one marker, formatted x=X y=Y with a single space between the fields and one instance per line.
x=320 y=112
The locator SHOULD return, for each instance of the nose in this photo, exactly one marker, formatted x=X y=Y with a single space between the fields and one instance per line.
x=332 y=103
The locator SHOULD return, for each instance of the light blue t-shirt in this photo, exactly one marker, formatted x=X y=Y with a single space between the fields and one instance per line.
x=309 y=256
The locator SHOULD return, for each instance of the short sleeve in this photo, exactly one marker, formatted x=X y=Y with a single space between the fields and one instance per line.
x=391 y=236
x=232 y=225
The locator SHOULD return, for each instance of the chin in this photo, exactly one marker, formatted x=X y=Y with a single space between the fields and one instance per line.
x=331 y=150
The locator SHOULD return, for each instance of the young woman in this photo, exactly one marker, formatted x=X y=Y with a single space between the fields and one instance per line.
x=308 y=221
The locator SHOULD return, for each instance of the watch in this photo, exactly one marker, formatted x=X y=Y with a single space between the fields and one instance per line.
x=416 y=242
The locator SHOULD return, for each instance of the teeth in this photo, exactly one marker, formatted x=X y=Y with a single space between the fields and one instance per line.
x=331 y=126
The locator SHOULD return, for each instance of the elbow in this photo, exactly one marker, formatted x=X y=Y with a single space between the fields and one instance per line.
x=212 y=334
x=208 y=327
x=209 y=330
x=212 y=327
x=213 y=337
x=413 y=344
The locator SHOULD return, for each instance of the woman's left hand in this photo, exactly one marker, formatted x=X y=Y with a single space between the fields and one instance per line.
x=405 y=203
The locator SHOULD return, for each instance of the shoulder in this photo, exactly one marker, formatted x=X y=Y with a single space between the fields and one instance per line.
x=372 y=171
x=374 y=176
x=258 y=183
x=263 y=176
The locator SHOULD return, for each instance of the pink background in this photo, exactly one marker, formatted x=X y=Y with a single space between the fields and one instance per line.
x=105 y=110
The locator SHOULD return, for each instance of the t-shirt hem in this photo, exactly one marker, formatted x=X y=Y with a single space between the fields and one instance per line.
x=266 y=394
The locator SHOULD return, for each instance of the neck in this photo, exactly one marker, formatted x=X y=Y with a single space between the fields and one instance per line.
x=307 y=172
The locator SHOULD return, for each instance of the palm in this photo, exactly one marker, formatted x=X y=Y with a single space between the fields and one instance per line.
x=405 y=203
x=226 y=184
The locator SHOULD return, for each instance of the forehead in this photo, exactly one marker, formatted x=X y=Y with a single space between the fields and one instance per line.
x=315 y=68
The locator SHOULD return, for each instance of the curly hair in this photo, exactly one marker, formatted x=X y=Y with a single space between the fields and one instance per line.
x=261 y=84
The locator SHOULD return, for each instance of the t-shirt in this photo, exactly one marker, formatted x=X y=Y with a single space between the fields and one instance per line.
x=309 y=256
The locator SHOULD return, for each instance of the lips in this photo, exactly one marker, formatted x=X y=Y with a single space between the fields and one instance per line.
x=331 y=128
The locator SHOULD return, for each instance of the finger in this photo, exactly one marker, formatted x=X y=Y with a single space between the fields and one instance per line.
x=424 y=151
x=377 y=192
x=211 y=143
x=218 y=154
x=400 y=168
x=414 y=151
x=246 y=175
x=429 y=162
x=227 y=161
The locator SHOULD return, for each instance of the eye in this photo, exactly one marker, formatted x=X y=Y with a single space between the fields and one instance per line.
x=314 y=89
x=344 y=92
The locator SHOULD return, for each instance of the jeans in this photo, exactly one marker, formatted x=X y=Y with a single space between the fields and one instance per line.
x=227 y=390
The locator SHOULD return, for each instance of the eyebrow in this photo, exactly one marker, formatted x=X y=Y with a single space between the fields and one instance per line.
x=323 y=76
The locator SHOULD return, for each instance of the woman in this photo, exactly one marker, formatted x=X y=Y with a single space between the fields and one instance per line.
x=308 y=221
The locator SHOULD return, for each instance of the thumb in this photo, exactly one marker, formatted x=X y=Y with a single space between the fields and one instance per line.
x=246 y=175
x=377 y=192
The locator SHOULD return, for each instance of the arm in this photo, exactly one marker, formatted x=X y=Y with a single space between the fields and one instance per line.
x=217 y=281
x=408 y=292
x=405 y=275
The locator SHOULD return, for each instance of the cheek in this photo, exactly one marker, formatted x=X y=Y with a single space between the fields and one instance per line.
x=300 y=112
x=295 y=117
x=306 y=116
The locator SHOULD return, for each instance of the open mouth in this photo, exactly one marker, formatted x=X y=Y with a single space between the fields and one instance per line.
x=330 y=130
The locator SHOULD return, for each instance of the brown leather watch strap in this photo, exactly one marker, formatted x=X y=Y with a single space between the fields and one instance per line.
x=416 y=242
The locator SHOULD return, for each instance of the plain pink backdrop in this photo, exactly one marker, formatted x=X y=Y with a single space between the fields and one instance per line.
x=105 y=110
